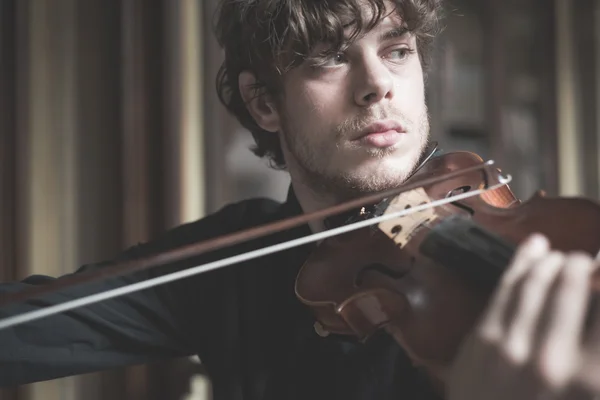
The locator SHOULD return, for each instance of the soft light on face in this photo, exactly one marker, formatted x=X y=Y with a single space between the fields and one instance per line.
x=328 y=108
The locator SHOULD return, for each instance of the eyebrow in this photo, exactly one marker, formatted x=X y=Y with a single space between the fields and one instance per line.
x=394 y=33
x=397 y=32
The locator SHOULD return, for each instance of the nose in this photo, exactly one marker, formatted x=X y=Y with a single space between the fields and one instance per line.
x=374 y=82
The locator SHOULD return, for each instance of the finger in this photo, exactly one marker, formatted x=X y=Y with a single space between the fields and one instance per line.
x=492 y=323
x=596 y=264
x=588 y=375
x=560 y=345
x=592 y=334
x=522 y=330
x=531 y=249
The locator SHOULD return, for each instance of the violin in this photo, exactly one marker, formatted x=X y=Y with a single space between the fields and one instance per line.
x=419 y=261
x=426 y=277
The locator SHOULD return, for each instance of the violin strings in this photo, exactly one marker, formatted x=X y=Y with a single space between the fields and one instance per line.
x=91 y=299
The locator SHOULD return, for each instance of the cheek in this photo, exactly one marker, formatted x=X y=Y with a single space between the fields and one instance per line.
x=322 y=99
x=410 y=91
x=322 y=96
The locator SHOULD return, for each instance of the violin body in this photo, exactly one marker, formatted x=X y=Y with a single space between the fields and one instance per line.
x=426 y=277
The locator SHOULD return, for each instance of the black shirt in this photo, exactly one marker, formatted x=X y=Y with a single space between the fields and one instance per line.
x=256 y=340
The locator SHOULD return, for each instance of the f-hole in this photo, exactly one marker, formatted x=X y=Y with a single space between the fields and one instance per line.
x=456 y=192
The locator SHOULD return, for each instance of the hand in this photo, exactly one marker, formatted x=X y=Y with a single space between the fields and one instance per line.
x=585 y=385
x=528 y=343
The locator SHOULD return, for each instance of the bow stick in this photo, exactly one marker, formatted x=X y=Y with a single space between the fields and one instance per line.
x=197 y=249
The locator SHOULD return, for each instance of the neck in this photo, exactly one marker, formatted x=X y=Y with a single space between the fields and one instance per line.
x=314 y=196
x=310 y=200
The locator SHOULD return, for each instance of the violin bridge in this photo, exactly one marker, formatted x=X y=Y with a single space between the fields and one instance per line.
x=403 y=228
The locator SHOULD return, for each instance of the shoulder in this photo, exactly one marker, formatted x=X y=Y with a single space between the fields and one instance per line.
x=228 y=219
x=232 y=217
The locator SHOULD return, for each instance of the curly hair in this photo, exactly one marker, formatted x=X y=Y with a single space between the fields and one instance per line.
x=269 y=37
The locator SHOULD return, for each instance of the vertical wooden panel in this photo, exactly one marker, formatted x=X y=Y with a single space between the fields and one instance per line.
x=546 y=70
x=191 y=115
x=143 y=127
x=8 y=95
x=184 y=147
x=100 y=127
x=100 y=153
x=8 y=130
x=569 y=145
x=520 y=94
x=139 y=122
x=91 y=134
x=586 y=73
x=596 y=46
x=219 y=126
x=69 y=150
x=495 y=80
x=47 y=152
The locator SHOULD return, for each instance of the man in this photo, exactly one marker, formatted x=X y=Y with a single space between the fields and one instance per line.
x=334 y=93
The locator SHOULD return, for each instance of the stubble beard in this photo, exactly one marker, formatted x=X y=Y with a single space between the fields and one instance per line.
x=338 y=185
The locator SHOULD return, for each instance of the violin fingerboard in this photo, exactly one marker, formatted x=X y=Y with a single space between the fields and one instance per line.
x=460 y=244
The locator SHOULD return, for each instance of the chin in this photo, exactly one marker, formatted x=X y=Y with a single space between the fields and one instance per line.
x=387 y=171
x=375 y=178
x=355 y=173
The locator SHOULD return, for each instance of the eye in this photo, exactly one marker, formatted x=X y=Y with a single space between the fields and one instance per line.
x=334 y=60
x=401 y=53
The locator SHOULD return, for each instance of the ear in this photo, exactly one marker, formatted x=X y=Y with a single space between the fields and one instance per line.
x=260 y=106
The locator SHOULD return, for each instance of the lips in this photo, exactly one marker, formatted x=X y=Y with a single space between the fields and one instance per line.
x=381 y=127
x=382 y=134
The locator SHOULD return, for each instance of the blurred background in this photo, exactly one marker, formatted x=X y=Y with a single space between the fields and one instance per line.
x=111 y=132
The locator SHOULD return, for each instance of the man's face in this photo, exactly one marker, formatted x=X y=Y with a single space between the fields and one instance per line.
x=359 y=122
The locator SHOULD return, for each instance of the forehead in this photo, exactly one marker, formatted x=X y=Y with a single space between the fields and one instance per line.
x=368 y=8
x=389 y=19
